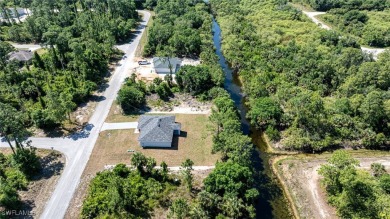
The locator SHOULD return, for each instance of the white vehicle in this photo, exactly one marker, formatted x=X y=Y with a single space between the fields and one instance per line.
x=143 y=62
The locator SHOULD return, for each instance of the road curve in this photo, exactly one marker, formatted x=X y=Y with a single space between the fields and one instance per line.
x=80 y=148
x=312 y=15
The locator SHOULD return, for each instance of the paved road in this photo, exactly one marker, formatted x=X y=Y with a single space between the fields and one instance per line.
x=312 y=15
x=78 y=147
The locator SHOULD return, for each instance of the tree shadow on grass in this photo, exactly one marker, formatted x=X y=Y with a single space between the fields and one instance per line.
x=132 y=35
x=51 y=165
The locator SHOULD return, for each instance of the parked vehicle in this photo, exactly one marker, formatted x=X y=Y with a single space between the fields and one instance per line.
x=143 y=62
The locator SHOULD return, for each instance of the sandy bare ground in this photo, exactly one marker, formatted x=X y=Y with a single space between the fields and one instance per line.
x=301 y=180
x=312 y=15
x=180 y=103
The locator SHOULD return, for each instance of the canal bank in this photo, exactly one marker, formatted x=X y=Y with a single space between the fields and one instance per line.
x=272 y=202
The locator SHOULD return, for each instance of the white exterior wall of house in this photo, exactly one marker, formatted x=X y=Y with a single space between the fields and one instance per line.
x=156 y=144
x=164 y=70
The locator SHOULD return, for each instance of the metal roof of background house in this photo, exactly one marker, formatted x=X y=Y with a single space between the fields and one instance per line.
x=163 y=62
x=20 y=55
x=156 y=128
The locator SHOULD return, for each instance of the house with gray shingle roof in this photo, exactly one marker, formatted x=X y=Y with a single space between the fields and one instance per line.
x=157 y=131
x=21 y=56
x=164 y=65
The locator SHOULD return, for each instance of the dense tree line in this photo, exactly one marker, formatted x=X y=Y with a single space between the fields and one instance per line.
x=78 y=39
x=309 y=88
x=354 y=192
x=229 y=190
x=178 y=28
x=325 y=5
x=372 y=28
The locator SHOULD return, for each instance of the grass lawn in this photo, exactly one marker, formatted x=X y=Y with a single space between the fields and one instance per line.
x=195 y=143
x=116 y=115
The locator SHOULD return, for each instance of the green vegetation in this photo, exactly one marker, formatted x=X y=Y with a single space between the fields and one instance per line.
x=356 y=193
x=230 y=189
x=366 y=20
x=15 y=172
x=183 y=28
x=79 y=44
x=313 y=89
x=178 y=28
x=132 y=95
x=325 y=5
x=372 y=27
x=126 y=193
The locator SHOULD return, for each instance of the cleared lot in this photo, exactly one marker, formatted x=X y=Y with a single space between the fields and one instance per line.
x=112 y=148
x=301 y=180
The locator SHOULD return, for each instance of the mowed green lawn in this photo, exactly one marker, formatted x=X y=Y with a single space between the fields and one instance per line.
x=195 y=143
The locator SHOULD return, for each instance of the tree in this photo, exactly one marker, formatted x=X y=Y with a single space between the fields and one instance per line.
x=264 y=112
x=186 y=171
x=164 y=170
x=341 y=164
x=372 y=110
x=150 y=164
x=195 y=79
x=27 y=161
x=179 y=209
x=163 y=91
x=377 y=169
x=230 y=179
x=12 y=126
x=130 y=98
x=138 y=161
x=67 y=103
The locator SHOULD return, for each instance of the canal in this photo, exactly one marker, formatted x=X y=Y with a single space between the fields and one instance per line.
x=272 y=203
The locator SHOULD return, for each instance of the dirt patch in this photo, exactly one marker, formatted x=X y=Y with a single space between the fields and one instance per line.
x=41 y=186
x=302 y=182
x=185 y=101
x=179 y=103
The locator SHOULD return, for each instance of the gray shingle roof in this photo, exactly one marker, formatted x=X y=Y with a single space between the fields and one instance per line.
x=162 y=62
x=20 y=55
x=156 y=128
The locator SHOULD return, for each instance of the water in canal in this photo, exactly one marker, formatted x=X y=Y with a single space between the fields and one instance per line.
x=272 y=203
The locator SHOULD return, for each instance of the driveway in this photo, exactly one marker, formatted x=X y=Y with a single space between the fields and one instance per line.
x=119 y=125
x=31 y=47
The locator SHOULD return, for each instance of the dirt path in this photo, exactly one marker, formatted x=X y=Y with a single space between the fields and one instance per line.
x=312 y=15
x=301 y=181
